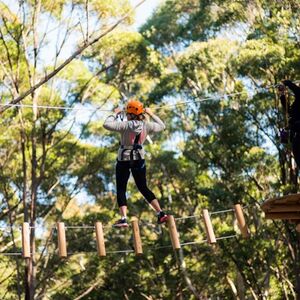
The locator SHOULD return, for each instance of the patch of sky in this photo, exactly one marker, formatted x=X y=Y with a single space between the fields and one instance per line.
x=237 y=32
x=144 y=11
x=80 y=195
x=84 y=198
x=61 y=44
x=82 y=114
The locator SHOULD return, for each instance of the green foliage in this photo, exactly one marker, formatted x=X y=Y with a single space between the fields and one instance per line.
x=262 y=53
x=132 y=63
x=207 y=62
x=213 y=154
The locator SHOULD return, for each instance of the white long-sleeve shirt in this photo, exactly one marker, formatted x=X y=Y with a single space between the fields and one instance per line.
x=129 y=130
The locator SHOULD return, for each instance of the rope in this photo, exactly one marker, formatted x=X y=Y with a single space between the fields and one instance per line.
x=226 y=237
x=80 y=227
x=55 y=107
x=221 y=211
x=4 y=228
x=211 y=213
x=130 y=250
x=111 y=226
x=217 y=97
x=107 y=110
x=120 y=251
x=193 y=243
x=107 y=252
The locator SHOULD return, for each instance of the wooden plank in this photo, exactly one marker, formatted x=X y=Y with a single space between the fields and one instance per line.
x=282 y=216
x=173 y=233
x=62 y=245
x=26 y=240
x=266 y=205
x=278 y=204
x=211 y=238
x=136 y=237
x=100 y=239
x=241 y=221
x=284 y=208
x=287 y=198
x=283 y=199
x=296 y=221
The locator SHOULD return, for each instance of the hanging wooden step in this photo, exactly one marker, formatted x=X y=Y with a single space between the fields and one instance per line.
x=283 y=208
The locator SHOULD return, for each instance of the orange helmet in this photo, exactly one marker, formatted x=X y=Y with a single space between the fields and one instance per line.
x=134 y=107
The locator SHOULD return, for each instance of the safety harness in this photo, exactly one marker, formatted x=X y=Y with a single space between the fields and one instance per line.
x=135 y=147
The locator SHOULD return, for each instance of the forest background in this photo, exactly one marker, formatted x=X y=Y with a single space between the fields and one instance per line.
x=58 y=164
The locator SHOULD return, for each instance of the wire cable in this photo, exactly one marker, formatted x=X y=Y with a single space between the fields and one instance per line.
x=11 y=253
x=221 y=211
x=131 y=250
x=211 y=213
x=217 y=97
x=55 y=107
x=89 y=226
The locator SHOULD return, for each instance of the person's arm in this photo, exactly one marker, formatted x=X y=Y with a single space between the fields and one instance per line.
x=293 y=87
x=156 y=126
x=111 y=123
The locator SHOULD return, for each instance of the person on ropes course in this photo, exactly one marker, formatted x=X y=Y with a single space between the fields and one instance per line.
x=293 y=112
x=131 y=155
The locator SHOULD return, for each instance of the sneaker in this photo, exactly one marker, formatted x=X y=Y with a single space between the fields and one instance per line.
x=121 y=223
x=162 y=217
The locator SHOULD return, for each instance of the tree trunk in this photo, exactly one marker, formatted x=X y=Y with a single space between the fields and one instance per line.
x=34 y=188
x=241 y=290
x=185 y=275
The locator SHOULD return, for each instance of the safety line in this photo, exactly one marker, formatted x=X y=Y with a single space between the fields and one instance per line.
x=56 y=107
x=95 y=252
x=120 y=251
x=80 y=227
x=193 y=243
x=226 y=237
x=221 y=211
x=217 y=97
x=211 y=213
x=19 y=227
x=130 y=250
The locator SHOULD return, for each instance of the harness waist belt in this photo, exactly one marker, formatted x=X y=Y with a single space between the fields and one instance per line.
x=133 y=147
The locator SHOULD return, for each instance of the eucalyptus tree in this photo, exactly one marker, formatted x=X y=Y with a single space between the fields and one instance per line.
x=226 y=147
x=44 y=163
x=216 y=48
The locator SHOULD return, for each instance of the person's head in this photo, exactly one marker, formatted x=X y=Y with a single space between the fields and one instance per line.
x=135 y=110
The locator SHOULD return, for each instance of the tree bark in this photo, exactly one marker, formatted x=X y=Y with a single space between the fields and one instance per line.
x=186 y=277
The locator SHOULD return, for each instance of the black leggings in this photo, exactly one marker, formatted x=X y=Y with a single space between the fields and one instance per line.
x=138 y=170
